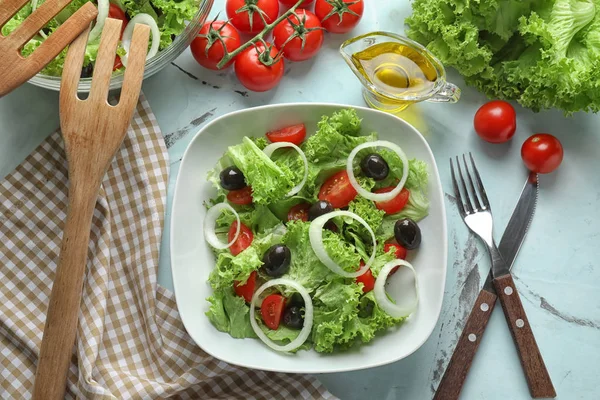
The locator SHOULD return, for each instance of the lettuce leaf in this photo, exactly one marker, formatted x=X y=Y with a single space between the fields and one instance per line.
x=230 y=313
x=543 y=54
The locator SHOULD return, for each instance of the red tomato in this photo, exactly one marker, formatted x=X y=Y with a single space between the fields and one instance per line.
x=290 y=3
x=542 y=153
x=243 y=241
x=255 y=75
x=338 y=190
x=329 y=11
x=118 y=63
x=271 y=310
x=496 y=121
x=241 y=20
x=299 y=212
x=399 y=251
x=367 y=280
x=307 y=37
x=115 y=12
x=394 y=205
x=246 y=290
x=293 y=134
x=241 y=197
x=208 y=49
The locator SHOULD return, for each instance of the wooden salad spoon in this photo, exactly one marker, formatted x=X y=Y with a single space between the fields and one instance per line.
x=16 y=69
x=93 y=131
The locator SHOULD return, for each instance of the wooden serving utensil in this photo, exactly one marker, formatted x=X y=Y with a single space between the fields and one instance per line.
x=93 y=131
x=16 y=69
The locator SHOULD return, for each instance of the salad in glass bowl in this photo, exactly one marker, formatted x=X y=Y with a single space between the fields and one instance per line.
x=173 y=23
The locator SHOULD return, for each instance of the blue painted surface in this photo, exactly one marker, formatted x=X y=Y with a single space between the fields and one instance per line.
x=556 y=271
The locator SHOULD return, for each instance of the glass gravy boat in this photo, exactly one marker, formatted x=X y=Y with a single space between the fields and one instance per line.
x=406 y=72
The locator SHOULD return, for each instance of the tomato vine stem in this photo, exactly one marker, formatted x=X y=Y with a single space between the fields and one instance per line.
x=260 y=37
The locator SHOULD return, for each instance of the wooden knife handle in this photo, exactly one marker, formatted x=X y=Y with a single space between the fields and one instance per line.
x=460 y=363
x=538 y=379
x=61 y=320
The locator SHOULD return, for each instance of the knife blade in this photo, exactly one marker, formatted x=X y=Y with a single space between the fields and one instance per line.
x=517 y=226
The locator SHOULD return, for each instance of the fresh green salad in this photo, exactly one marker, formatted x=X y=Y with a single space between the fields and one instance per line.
x=306 y=231
x=167 y=19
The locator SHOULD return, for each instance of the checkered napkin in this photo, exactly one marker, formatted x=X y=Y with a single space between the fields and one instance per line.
x=130 y=340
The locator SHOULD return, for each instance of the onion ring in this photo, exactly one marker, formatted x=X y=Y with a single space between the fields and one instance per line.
x=209 y=226
x=145 y=19
x=274 y=146
x=393 y=310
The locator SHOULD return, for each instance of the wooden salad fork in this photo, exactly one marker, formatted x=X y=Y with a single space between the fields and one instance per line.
x=16 y=69
x=93 y=131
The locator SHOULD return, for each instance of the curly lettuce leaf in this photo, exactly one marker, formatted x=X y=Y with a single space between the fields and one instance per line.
x=543 y=54
x=269 y=182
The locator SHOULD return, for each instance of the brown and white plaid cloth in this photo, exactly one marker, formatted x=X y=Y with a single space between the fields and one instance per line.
x=131 y=342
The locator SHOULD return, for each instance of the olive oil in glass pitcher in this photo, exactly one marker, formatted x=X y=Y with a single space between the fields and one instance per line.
x=396 y=72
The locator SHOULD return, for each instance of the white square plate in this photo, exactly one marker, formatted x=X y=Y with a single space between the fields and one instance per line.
x=192 y=259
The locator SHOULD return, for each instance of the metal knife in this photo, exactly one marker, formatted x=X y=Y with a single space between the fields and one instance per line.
x=454 y=377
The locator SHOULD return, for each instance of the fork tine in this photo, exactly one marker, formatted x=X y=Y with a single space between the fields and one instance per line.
x=72 y=69
x=134 y=73
x=459 y=202
x=106 y=60
x=8 y=8
x=475 y=198
x=468 y=207
x=36 y=21
x=482 y=193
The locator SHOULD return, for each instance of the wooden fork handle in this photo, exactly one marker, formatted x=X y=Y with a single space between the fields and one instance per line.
x=61 y=320
x=538 y=378
x=456 y=372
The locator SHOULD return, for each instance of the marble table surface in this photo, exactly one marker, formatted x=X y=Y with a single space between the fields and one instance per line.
x=556 y=271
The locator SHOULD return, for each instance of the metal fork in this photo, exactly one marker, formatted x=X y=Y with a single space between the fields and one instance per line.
x=474 y=207
x=16 y=69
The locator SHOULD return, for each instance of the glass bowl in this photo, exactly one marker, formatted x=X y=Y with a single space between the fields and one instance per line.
x=155 y=64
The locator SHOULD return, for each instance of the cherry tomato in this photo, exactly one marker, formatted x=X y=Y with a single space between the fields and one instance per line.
x=115 y=12
x=496 y=121
x=253 y=74
x=118 y=63
x=243 y=241
x=338 y=190
x=211 y=31
x=303 y=45
x=394 y=205
x=290 y=3
x=367 y=279
x=241 y=197
x=399 y=252
x=299 y=212
x=293 y=134
x=271 y=310
x=328 y=12
x=542 y=153
x=246 y=290
x=241 y=20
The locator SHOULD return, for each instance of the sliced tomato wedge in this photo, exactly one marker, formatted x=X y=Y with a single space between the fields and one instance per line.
x=115 y=12
x=243 y=241
x=394 y=205
x=271 y=310
x=299 y=212
x=293 y=134
x=338 y=190
x=241 y=197
x=118 y=63
x=246 y=290
x=399 y=251
x=367 y=279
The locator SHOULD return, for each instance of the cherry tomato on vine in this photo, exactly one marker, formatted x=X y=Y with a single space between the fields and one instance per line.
x=339 y=16
x=542 y=153
x=305 y=32
x=115 y=12
x=245 y=15
x=208 y=50
x=252 y=72
x=290 y=3
x=495 y=121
